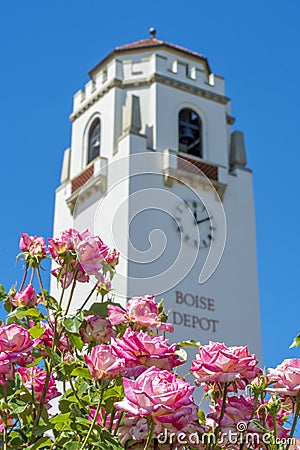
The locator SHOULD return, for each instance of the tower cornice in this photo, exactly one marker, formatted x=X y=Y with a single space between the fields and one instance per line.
x=156 y=78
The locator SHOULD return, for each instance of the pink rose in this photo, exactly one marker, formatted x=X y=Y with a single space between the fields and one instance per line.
x=91 y=252
x=104 y=363
x=140 y=350
x=47 y=338
x=35 y=377
x=286 y=378
x=34 y=245
x=159 y=394
x=16 y=343
x=27 y=297
x=58 y=247
x=142 y=311
x=216 y=363
x=112 y=257
x=96 y=329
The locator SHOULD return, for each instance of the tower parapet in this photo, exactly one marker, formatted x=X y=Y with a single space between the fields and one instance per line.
x=134 y=66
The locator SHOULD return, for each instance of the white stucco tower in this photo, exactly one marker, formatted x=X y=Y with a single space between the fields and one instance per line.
x=156 y=170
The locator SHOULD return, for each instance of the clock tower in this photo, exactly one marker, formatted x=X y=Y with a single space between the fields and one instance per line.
x=156 y=170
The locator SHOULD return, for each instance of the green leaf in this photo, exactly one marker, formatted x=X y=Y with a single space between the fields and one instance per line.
x=106 y=436
x=83 y=387
x=296 y=341
x=76 y=341
x=75 y=410
x=17 y=406
x=36 y=331
x=41 y=443
x=2 y=293
x=24 y=311
x=15 y=440
x=83 y=421
x=60 y=418
x=72 y=445
x=201 y=416
x=72 y=324
x=82 y=372
x=32 y=312
x=189 y=343
x=68 y=367
x=64 y=406
x=116 y=391
x=40 y=430
x=8 y=306
x=51 y=302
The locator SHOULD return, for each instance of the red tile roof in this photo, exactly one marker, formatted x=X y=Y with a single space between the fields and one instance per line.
x=143 y=43
x=150 y=43
x=153 y=42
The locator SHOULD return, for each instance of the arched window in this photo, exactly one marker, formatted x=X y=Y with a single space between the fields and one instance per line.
x=94 y=141
x=190 y=133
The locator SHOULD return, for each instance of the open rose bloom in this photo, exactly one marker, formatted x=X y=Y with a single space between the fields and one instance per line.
x=91 y=252
x=141 y=350
x=161 y=395
x=16 y=343
x=216 y=363
x=141 y=312
x=104 y=363
x=286 y=378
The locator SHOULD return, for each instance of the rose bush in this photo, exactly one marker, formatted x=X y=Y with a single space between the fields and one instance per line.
x=107 y=377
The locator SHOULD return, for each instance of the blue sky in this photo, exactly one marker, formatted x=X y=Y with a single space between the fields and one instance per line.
x=47 y=49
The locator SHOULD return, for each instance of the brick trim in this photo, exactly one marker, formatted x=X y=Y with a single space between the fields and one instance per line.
x=209 y=170
x=81 y=179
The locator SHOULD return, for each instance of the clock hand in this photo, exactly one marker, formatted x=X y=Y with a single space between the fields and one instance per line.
x=203 y=220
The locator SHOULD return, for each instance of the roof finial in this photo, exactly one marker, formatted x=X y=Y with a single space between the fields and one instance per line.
x=152 y=32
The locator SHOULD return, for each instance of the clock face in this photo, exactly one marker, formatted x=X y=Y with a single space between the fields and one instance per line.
x=194 y=223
